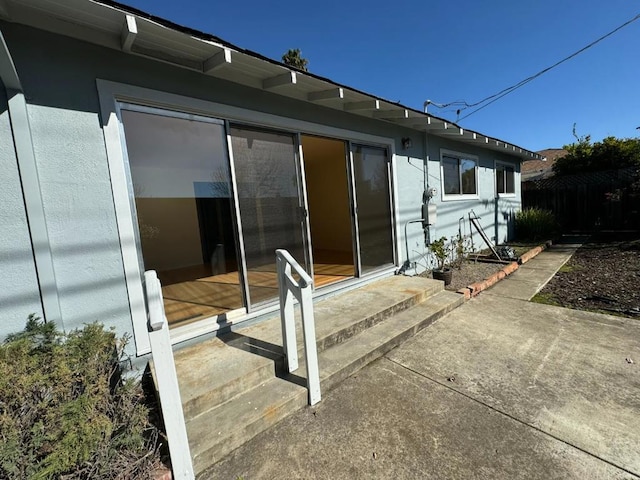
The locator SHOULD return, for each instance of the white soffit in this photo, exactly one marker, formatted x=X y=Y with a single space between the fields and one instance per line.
x=119 y=27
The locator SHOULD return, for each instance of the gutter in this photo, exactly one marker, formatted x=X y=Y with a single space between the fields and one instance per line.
x=28 y=171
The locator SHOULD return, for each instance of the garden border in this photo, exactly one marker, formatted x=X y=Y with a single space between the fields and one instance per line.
x=475 y=288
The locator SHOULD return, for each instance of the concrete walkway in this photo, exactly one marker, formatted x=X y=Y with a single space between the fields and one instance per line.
x=500 y=388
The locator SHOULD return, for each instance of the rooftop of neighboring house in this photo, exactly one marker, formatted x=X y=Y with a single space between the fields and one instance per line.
x=539 y=169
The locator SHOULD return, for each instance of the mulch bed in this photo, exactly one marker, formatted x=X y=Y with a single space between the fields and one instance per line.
x=602 y=276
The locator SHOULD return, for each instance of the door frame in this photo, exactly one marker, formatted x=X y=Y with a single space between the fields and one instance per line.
x=110 y=94
x=354 y=207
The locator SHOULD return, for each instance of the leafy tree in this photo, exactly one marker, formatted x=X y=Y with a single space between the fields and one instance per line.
x=609 y=154
x=293 y=59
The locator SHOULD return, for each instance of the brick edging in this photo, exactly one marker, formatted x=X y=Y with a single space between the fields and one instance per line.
x=474 y=289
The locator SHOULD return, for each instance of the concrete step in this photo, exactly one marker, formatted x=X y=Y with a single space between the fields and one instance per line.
x=217 y=432
x=211 y=373
x=342 y=361
x=341 y=317
x=217 y=370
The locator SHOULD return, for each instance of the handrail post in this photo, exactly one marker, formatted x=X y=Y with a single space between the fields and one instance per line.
x=288 y=287
x=287 y=319
x=167 y=380
x=310 y=347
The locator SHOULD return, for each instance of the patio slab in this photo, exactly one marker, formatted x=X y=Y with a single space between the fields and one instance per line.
x=389 y=422
x=564 y=372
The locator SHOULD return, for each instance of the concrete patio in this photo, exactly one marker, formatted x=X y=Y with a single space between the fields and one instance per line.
x=498 y=388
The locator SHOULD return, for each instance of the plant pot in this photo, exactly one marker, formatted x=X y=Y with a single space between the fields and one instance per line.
x=444 y=275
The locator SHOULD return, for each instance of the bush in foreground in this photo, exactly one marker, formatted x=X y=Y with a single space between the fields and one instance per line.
x=535 y=224
x=66 y=411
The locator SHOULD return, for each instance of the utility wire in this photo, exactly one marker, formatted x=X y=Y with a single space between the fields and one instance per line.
x=497 y=96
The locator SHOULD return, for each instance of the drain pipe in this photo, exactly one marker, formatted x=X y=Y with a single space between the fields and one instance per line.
x=408 y=263
x=426 y=195
x=426 y=198
x=28 y=171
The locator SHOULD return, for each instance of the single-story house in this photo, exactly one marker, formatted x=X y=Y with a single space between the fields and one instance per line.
x=540 y=169
x=130 y=143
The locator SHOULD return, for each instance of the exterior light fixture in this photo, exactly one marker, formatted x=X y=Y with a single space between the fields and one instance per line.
x=406 y=143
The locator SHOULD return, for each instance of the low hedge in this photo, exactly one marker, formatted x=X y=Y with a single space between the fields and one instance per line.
x=67 y=412
x=536 y=224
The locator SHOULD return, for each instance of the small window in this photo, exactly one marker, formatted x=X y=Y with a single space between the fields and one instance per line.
x=459 y=174
x=505 y=183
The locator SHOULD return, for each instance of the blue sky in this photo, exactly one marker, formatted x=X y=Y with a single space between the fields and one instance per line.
x=411 y=51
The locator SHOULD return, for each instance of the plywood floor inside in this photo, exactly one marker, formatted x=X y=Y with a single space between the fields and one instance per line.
x=188 y=301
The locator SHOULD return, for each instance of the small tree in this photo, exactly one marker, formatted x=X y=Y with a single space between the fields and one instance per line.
x=293 y=59
x=609 y=154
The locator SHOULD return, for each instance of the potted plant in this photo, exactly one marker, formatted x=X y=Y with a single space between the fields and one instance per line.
x=441 y=250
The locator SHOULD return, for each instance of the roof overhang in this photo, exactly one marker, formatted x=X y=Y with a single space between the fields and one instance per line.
x=119 y=27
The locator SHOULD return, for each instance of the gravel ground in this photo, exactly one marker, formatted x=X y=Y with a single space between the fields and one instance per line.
x=469 y=272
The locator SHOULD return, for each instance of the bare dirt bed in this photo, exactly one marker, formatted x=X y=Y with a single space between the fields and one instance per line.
x=603 y=276
x=471 y=272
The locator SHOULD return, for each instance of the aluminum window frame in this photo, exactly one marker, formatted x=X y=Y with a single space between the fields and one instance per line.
x=459 y=156
x=505 y=194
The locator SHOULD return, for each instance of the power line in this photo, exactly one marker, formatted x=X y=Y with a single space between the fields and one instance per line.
x=497 y=96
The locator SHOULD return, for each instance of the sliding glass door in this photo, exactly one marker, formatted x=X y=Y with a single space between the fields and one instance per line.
x=271 y=205
x=214 y=201
x=373 y=219
x=181 y=194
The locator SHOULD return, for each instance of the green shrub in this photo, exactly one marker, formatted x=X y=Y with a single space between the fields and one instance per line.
x=535 y=224
x=66 y=411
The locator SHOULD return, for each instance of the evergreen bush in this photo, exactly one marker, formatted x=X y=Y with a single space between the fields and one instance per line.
x=67 y=412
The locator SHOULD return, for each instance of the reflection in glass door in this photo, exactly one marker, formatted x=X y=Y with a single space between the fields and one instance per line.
x=182 y=193
x=270 y=203
x=372 y=200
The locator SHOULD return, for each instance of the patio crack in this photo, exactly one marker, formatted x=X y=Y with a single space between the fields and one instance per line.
x=516 y=419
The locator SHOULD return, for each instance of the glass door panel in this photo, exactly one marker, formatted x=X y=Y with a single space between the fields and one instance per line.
x=181 y=188
x=270 y=204
x=373 y=214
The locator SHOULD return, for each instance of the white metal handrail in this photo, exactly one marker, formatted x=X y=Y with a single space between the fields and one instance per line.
x=167 y=380
x=301 y=289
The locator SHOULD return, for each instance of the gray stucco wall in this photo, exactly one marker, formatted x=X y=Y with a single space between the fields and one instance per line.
x=19 y=292
x=59 y=77
x=451 y=210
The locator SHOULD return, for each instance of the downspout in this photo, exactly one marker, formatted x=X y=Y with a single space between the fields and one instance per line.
x=426 y=198
x=426 y=195
x=28 y=171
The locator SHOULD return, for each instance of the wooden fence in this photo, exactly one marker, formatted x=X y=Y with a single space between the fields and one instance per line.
x=589 y=201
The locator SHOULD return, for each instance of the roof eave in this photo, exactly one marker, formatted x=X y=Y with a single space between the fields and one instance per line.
x=117 y=26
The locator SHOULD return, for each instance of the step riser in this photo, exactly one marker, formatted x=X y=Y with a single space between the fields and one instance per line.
x=358 y=327
x=223 y=393
x=210 y=456
x=336 y=378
